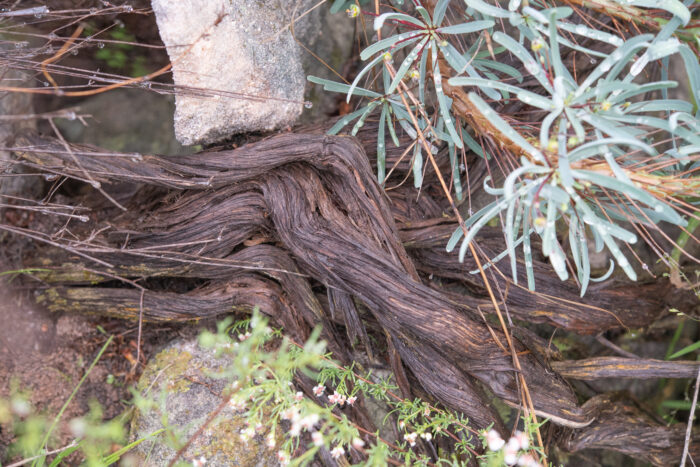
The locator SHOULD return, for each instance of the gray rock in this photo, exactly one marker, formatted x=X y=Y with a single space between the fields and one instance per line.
x=242 y=50
x=179 y=380
x=126 y=120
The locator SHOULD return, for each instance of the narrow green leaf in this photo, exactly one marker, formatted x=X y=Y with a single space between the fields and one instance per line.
x=686 y=350
x=489 y=10
x=674 y=7
x=531 y=65
x=343 y=88
x=345 y=120
x=363 y=72
x=115 y=456
x=406 y=65
x=406 y=37
x=466 y=28
x=503 y=127
x=594 y=34
x=381 y=19
x=615 y=62
x=498 y=66
x=443 y=102
x=381 y=146
x=63 y=454
x=439 y=11
x=417 y=166
x=527 y=249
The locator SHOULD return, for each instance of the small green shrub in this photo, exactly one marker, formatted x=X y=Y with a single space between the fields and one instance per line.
x=602 y=154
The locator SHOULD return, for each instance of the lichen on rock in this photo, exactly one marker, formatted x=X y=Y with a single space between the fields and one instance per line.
x=179 y=381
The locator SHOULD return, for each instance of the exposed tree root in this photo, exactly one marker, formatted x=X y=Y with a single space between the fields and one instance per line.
x=297 y=225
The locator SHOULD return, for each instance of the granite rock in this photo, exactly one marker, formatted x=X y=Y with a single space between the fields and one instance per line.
x=236 y=65
x=179 y=381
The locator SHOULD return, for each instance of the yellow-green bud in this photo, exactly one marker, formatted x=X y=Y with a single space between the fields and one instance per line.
x=353 y=11
x=537 y=44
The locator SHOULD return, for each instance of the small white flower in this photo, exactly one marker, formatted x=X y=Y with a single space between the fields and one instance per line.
x=309 y=421
x=299 y=396
x=318 y=390
x=526 y=460
x=523 y=440
x=283 y=457
x=402 y=424
x=351 y=400
x=510 y=458
x=411 y=438
x=270 y=440
x=337 y=451
x=426 y=436
x=295 y=430
x=426 y=412
x=357 y=443
x=317 y=438
x=494 y=440
x=201 y=462
x=513 y=445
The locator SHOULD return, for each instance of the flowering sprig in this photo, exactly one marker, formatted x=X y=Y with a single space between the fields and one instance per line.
x=265 y=393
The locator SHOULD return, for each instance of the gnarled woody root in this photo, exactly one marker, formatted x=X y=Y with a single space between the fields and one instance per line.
x=255 y=225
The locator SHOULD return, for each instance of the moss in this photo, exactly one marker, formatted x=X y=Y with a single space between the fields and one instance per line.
x=168 y=366
x=54 y=301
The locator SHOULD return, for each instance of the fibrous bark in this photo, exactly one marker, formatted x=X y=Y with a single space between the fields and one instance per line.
x=270 y=223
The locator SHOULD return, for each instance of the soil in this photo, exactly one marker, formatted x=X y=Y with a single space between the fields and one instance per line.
x=44 y=355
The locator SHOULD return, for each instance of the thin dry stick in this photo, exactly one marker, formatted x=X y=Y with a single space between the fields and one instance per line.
x=689 y=429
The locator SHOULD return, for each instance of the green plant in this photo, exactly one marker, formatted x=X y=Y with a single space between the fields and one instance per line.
x=603 y=158
x=94 y=436
x=262 y=387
